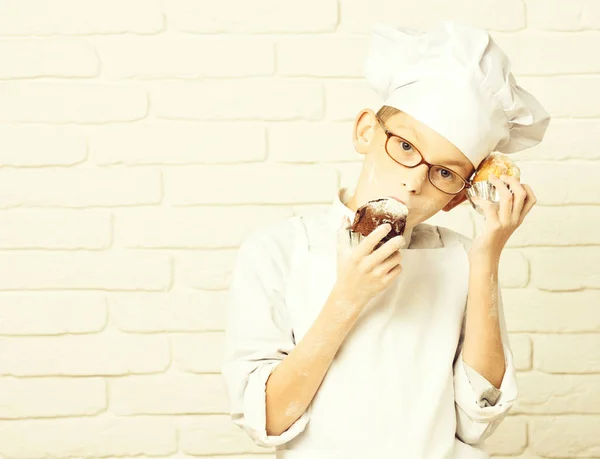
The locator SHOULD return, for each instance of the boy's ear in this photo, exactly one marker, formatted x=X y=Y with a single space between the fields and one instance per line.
x=456 y=200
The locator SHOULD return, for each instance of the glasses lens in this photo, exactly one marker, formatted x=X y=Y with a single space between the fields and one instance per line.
x=445 y=179
x=403 y=152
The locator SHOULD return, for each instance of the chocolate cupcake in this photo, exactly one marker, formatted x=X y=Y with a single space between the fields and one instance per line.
x=496 y=164
x=377 y=212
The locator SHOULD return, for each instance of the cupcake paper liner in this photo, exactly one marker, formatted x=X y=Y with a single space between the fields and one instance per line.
x=355 y=238
x=485 y=190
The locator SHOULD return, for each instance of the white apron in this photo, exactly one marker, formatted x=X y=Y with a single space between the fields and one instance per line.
x=389 y=391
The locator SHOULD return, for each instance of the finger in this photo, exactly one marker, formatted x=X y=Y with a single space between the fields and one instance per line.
x=388 y=249
x=392 y=274
x=489 y=209
x=367 y=245
x=389 y=263
x=530 y=201
x=519 y=196
x=506 y=199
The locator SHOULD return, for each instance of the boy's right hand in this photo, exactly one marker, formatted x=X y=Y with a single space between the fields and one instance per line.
x=363 y=272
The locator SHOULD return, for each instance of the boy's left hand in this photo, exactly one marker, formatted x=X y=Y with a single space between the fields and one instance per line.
x=502 y=219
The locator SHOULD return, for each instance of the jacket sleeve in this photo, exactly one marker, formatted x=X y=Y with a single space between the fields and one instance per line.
x=258 y=337
x=481 y=407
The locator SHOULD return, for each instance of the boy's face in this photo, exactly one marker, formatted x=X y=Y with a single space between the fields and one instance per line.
x=382 y=176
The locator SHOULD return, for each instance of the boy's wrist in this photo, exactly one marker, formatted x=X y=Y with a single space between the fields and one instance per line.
x=484 y=259
x=342 y=301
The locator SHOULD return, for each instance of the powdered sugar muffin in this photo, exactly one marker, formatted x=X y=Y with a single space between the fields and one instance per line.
x=496 y=164
x=377 y=212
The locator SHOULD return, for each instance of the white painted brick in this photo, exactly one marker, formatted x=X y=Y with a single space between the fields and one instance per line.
x=576 y=353
x=51 y=397
x=513 y=269
x=168 y=311
x=570 y=436
x=23 y=101
x=558 y=226
x=180 y=455
x=326 y=56
x=560 y=183
x=306 y=142
x=575 y=15
x=41 y=145
x=566 y=96
x=491 y=14
x=565 y=268
x=184 y=99
x=526 y=455
x=250 y=184
x=84 y=270
x=186 y=355
x=79 y=187
x=177 y=143
x=204 y=269
x=542 y=393
x=51 y=313
x=344 y=99
x=532 y=310
x=88 y=437
x=521 y=347
x=73 y=17
x=166 y=57
x=565 y=139
x=170 y=393
x=546 y=53
x=305 y=208
x=57 y=57
x=260 y=16
x=236 y=456
x=349 y=173
x=56 y=229
x=85 y=355
x=205 y=435
x=206 y=227
x=238 y=100
x=510 y=437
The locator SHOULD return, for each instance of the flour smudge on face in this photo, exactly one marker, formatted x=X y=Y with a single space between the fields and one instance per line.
x=371 y=177
x=428 y=207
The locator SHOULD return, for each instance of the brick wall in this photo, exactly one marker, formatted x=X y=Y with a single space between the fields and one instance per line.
x=136 y=134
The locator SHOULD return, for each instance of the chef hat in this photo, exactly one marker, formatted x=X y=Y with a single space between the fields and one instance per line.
x=455 y=79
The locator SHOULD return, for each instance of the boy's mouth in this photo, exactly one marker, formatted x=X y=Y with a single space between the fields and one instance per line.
x=397 y=199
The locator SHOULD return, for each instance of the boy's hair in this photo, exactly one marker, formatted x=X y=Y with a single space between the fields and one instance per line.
x=385 y=112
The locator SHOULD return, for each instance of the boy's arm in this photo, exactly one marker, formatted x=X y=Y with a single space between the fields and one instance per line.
x=487 y=359
x=270 y=380
x=487 y=393
x=294 y=383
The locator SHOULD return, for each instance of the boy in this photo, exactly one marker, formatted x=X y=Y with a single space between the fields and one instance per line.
x=337 y=351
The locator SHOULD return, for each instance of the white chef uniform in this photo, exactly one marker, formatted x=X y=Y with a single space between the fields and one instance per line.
x=398 y=387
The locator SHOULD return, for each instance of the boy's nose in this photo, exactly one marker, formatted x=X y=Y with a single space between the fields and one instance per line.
x=416 y=179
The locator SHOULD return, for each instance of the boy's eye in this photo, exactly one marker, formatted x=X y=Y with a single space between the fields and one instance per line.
x=406 y=146
x=446 y=174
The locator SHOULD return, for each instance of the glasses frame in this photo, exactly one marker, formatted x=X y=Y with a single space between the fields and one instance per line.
x=389 y=134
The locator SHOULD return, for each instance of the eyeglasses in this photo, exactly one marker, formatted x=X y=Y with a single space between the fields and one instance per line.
x=441 y=177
